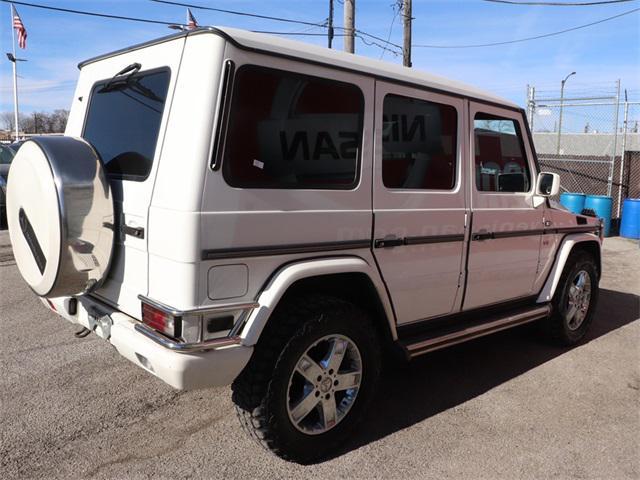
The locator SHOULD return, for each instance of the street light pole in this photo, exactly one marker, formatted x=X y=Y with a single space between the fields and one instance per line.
x=561 y=106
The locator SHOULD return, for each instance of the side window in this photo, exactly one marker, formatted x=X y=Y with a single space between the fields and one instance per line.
x=292 y=131
x=501 y=164
x=418 y=144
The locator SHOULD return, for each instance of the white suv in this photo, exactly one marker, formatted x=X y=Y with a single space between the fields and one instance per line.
x=232 y=208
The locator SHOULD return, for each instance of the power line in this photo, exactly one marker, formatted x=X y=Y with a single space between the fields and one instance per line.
x=91 y=14
x=477 y=45
x=396 y=10
x=142 y=20
x=559 y=4
x=243 y=14
x=372 y=43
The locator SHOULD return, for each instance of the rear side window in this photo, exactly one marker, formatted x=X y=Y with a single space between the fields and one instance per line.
x=292 y=131
x=501 y=164
x=123 y=122
x=418 y=144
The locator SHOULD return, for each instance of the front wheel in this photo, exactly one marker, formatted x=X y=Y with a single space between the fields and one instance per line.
x=575 y=299
x=310 y=378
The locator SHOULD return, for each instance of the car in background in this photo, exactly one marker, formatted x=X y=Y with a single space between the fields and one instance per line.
x=7 y=152
x=3 y=203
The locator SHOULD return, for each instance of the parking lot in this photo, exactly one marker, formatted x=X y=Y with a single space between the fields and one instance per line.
x=506 y=406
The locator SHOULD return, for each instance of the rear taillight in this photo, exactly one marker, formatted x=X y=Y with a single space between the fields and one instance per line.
x=161 y=321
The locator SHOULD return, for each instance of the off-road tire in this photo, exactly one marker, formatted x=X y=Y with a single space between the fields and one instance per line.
x=260 y=391
x=557 y=325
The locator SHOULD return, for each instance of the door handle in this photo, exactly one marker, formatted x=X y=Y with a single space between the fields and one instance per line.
x=482 y=235
x=388 y=242
x=137 y=232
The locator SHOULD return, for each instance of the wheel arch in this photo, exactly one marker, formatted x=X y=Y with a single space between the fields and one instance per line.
x=580 y=241
x=348 y=278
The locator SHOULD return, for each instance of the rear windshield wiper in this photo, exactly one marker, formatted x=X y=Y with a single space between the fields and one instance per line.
x=116 y=83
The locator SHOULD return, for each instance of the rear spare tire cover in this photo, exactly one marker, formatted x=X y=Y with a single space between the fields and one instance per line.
x=60 y=215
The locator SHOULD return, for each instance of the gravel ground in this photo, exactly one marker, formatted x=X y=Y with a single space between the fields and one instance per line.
x=506 y=406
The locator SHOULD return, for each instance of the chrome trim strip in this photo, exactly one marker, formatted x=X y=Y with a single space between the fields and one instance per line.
x=223 y=307
x=185 y=347
x=477 y=331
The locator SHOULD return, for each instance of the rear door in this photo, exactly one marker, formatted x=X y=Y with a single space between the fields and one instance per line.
x=506 y=227
x=124 y=116
x=419 y=199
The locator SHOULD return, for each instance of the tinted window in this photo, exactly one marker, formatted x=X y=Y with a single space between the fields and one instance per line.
x=124 y=120
x=418 y=144
x=292 y=131
x=6 y=155
x=501 y=165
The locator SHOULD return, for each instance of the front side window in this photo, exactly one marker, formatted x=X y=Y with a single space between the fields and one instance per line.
x=418 y=144
x=292 y=131
x=123 y=122
x=501 y=164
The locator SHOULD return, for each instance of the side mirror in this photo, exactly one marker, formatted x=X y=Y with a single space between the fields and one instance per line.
x=548 y=184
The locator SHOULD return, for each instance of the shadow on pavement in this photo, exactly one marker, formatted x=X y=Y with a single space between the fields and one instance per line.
x=447 y=378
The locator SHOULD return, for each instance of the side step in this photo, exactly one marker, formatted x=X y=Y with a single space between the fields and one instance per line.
x=441 y=338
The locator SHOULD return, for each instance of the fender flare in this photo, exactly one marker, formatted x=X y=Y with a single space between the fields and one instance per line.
x=564 y=250
x=289 y=274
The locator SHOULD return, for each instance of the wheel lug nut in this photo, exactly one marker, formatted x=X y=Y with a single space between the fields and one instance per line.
x=336 y=383
x=331 y=372
x=327 y=396
x=317 y=394
x=319 y=378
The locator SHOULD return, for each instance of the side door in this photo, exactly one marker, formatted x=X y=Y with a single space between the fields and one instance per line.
x=506 y=227
x=419 y=199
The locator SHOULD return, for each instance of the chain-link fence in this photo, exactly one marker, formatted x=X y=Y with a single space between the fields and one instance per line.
x=591 y=139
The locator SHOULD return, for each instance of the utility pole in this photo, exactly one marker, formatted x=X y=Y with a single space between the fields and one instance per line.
x=330 y=25
x=349 y=25
x=406 y=48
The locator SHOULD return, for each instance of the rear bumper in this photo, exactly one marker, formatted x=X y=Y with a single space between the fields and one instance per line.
x=182 y=370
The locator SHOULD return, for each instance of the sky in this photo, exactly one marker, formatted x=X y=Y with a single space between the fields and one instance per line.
x=600 y=54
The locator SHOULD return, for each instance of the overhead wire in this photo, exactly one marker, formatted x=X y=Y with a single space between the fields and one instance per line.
x=559 y=4
x=91 y=14
x=365 y=37
x=396 y=10
x=536 y=37
x=235 y=12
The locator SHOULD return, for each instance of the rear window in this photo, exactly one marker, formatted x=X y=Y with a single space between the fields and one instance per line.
x=123 y=122
x=292 y=131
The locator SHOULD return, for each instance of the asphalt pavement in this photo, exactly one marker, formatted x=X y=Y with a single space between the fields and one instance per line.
x=502 y=407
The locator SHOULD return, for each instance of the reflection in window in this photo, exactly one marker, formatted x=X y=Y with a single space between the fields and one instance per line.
x=123 y=122
x=292 y=131
x=501 y=165
x=418 y=144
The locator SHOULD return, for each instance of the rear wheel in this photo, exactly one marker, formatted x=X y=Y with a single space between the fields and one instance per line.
x=310 y=378
x=575 y=299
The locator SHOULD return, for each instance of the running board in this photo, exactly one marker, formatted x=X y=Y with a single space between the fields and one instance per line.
x=437 y=340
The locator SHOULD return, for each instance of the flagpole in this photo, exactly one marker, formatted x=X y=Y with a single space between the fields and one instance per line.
x=15 y=77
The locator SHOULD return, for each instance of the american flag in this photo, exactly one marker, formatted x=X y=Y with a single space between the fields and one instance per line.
x=191 y=20
x=19 y=28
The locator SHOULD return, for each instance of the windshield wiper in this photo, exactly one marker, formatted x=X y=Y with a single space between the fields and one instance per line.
x=116 y=83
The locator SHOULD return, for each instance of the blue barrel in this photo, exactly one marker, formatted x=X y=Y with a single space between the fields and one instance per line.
x=601 y=204
x=630 y=223
x=574 y=202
